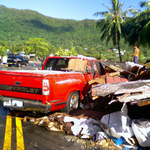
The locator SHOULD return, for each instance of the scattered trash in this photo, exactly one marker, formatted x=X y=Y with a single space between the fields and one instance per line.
x=114 y=128
x=141 y=129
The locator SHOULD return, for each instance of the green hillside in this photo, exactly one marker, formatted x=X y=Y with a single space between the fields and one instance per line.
x=17 y=26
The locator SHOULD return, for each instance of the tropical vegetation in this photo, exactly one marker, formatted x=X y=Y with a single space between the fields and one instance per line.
x=29 y=31
x=111 y=27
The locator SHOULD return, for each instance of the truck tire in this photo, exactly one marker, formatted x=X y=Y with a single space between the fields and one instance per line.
x=72 y=102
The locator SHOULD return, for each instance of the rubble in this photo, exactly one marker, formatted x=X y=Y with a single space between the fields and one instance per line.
x=141 y=129
x=118 y=125
x=77 y=126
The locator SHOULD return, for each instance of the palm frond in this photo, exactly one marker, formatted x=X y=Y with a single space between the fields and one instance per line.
x=145 y=4
x=110 y=10
x=100 y=13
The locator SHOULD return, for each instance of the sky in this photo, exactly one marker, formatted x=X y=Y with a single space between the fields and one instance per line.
x=68 y=9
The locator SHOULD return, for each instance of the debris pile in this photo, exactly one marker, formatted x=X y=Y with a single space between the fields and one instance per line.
x=134 y=96
x=81 y=127
x=138 y=72
x=122 y=97
x=77 y=126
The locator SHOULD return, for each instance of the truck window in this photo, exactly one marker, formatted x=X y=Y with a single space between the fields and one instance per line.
x=56 y=64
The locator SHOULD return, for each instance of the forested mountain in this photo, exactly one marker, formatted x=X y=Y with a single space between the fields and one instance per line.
x=16 y=25
x=20 y=25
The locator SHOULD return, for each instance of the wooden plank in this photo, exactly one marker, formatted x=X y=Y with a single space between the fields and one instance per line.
x=141 y=87
x=100 y=80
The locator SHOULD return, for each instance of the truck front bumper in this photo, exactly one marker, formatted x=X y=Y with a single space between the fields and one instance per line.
x=24 y=104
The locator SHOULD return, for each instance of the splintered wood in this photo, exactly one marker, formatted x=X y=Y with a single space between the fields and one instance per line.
x=101 y=80
x=116 y=68
x=132 y=91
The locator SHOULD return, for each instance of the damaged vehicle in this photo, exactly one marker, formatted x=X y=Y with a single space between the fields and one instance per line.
x=60 y=85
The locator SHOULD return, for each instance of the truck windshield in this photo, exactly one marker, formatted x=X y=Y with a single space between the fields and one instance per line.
x=56 y=64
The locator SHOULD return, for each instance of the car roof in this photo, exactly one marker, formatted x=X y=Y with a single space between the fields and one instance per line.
x=73 y=57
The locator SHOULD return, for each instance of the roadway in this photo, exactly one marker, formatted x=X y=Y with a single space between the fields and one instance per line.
x=15 y=134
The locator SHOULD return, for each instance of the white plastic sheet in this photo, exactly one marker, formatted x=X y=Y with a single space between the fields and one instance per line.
x=114 y=126
x=141 y=129
x=85 y=127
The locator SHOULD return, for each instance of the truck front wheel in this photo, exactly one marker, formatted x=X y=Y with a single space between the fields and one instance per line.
x=72 y=102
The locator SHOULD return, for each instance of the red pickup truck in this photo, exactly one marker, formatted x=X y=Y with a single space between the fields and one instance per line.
x=60 y=85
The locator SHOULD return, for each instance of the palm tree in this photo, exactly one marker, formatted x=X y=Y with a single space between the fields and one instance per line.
x=13 y=49
x=139 y=26
x=143 y=20
x=145 y=4
x=111 y=26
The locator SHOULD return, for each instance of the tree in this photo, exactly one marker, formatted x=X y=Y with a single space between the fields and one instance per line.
x=13 y=48
x=3 y=50
x=38 y=46
x=67 y=52
x=111 y=26
x=140 y=32
x=60 y=52
x=22 y=47
x=71 y=52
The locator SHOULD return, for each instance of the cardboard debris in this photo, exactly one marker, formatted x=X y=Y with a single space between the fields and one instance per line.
x=78 y=126
x=114 y=74
x=101 y=80
x=115 y=68
x=77 y=65
x=53 y=126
